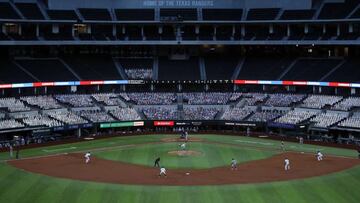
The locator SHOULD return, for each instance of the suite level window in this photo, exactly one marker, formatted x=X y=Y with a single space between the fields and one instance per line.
x=81 y=29
x=11 y=28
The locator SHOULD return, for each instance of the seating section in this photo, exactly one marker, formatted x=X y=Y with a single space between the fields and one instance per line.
x=42 y=102
x=320 y=101
x=262 y=14
x=296 y=117
x=347 y=104
x=284 y=100
x=137 y=68
x=327 y=119
x=214 y=98
x=161 y=113
x=41 y=68
x=220 y=68
x=251 y=99
x=337 y=10
x=30 y=11
x=265 y=116
x=152 y=99
x=62 y=15
x=348 y=72
x=98 y=67
x=236 y=114
x=125 y=114
x=76 y=100
x=108 y=99
x=7 y=12
x=40 y=120
x=9 y=70
x=311 y=69
x=95 y=14
x=135 y=14
x=265 y=69
x=297 y=14
x=13 y=105
x=352 y=122
x=95 y=116
x=66 y=117
x=10 y=123
x=178 y=14
x=222 y=14
x=200 y=113
x=179 y=69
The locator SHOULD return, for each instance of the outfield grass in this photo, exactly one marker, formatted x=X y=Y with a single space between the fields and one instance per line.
x=20 y=186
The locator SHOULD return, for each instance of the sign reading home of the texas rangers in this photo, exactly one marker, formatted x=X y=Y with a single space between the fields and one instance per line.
x=178 y=3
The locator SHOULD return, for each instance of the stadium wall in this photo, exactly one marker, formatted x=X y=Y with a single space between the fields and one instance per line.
x=285 y=4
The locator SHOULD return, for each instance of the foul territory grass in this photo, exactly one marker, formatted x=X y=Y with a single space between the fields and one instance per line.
x=20 y=186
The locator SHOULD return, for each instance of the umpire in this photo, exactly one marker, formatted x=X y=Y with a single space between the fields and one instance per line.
x=157 y=162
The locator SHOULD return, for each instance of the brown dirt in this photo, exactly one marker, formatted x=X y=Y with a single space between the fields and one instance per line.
x=174 y=139
x=72 y=166
x=185 y=153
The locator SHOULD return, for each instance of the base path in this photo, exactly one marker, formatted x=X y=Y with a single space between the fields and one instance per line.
x=72 y=166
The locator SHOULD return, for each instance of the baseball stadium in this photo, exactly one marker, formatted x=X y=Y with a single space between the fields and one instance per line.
x=161 y=101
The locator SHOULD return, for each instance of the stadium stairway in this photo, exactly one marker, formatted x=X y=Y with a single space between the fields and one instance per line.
x=202 y=68
x=120 y=69
x=288 y=69
x=42 y=8
x=333 y=70
x=27 y=72
x=238 y=68
x=69 y=68
x=16 y=9
x=156 y=68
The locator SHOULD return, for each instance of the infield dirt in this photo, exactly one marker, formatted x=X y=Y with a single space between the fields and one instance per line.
x=72 y=166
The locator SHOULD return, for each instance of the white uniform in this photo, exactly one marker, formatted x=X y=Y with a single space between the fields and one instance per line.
x=233 y=164
x=319 y=156
x=162 y=171
x=87 y=157
x=183 y=146
x=287 y=164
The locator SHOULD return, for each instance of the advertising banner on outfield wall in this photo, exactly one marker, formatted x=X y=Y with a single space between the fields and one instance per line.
x=122 y=124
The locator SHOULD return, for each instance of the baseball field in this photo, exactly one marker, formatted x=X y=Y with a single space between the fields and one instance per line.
x=121 y=170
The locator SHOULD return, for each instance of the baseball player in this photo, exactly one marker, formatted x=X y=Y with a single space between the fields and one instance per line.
x=283 y=145
x=157 y=162
x=301 y=140
x=319 y=156
x=162 y=171
x=287 y=164
x=233 y=164
x=87 y=157
x=183 y=146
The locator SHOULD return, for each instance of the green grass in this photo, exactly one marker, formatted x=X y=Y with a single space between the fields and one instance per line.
x=212 y=155
x=20 y=186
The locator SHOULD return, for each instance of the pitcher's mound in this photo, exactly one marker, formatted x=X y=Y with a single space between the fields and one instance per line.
x=185 y=153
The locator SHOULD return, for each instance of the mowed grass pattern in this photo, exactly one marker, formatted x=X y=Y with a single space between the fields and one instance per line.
x=212 y=155
x=19 y=186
